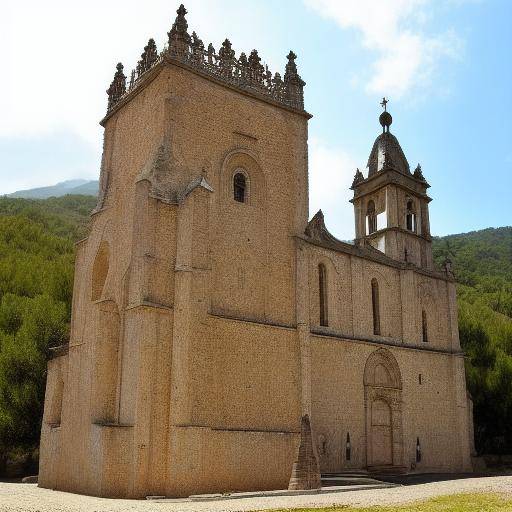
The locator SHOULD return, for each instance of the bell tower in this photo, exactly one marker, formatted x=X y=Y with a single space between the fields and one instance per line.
x=391 y=204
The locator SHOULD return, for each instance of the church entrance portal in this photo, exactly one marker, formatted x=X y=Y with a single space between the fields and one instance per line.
x=383 y=408
x=381 y=434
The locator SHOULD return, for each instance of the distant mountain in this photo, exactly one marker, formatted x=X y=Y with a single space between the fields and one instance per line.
x=83 y=187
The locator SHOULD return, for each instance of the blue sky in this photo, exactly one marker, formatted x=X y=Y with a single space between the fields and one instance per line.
x=444 y=65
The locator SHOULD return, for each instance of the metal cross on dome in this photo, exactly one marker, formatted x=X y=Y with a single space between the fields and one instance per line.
x=384 y=103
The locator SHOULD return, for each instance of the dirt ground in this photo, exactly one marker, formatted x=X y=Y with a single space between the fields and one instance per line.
x=30 y=498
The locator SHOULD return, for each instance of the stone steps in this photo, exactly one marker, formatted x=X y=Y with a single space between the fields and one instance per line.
x=350 y=478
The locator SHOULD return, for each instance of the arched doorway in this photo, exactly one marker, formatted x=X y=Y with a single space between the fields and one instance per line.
x=383 y=408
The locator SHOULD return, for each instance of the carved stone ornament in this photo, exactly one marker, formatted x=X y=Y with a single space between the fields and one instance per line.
x=118 y=86
x=358 y=178
x=418 y=174
x=248 y=74
x=165 y=185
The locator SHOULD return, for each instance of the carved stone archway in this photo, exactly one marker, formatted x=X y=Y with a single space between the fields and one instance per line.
x=383 y=412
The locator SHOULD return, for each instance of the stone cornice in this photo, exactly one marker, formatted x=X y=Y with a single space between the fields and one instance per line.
x=387 y=342
x=217 y=314
x=390 y=177
x=399 y=229
x=167 y=61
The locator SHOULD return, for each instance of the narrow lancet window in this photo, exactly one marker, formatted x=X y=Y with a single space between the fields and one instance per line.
x=322 y=291
x=239 y=188
x=424 y=326
x=410 y=217
x=348 y=448
x=372 y=218
x=375 y=307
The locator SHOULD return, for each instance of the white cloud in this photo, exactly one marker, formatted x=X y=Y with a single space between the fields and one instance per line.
x=331 y=171
x=406 y=56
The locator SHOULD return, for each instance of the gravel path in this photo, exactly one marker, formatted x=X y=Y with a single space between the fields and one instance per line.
x=30 y=498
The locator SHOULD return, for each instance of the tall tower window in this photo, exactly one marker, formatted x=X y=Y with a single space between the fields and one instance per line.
x=424 y=326
x=372 y=218
x=322 y=291
x=375 y=307
x=239 y=187
x=410 y=217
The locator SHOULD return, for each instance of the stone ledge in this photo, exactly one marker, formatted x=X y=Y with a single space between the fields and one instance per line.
x=383 y=341
x=270 y=494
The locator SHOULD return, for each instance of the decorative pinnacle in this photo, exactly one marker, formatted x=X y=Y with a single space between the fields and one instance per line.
x=358 y=178
x=385 y=118
x=246 y=72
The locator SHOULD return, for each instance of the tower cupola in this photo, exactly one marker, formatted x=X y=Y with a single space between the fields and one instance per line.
x=391 y=203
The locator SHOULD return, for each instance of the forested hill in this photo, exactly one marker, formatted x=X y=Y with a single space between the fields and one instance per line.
x=36 y=277
x=482 y=262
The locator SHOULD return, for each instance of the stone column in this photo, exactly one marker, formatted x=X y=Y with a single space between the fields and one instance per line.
x=105 y=363
x=303 y=326
x=180 y=389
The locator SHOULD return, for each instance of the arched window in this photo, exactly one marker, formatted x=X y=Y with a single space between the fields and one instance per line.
x=424 y=326
x=375 y=307
x=372 y=217
x=322 y=292
x=239 y=187
x=410 y=217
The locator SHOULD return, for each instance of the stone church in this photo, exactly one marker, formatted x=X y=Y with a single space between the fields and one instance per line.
x=222 y=341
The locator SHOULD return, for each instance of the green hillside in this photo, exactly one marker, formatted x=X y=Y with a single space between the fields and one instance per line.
x=36 y=276
x=482 y=262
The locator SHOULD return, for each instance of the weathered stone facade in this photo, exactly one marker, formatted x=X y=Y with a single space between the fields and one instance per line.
x=210 y=318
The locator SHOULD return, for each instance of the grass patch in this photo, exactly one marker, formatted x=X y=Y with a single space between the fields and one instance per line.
x=455 y=503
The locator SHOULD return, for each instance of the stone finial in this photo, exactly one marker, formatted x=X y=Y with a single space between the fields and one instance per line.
x=148 y=57
x=117 y=87
x=305 y=471
x=243 y=66
x=211 y=54
x=179 y=38
x=245 y=73
x=385 y=118
x=267 y=77
x=278 y=87
x=226 y=58
x=293 y=82
x=197 y=48
x=255 y=67
x=358 y=178
x=418 y=174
